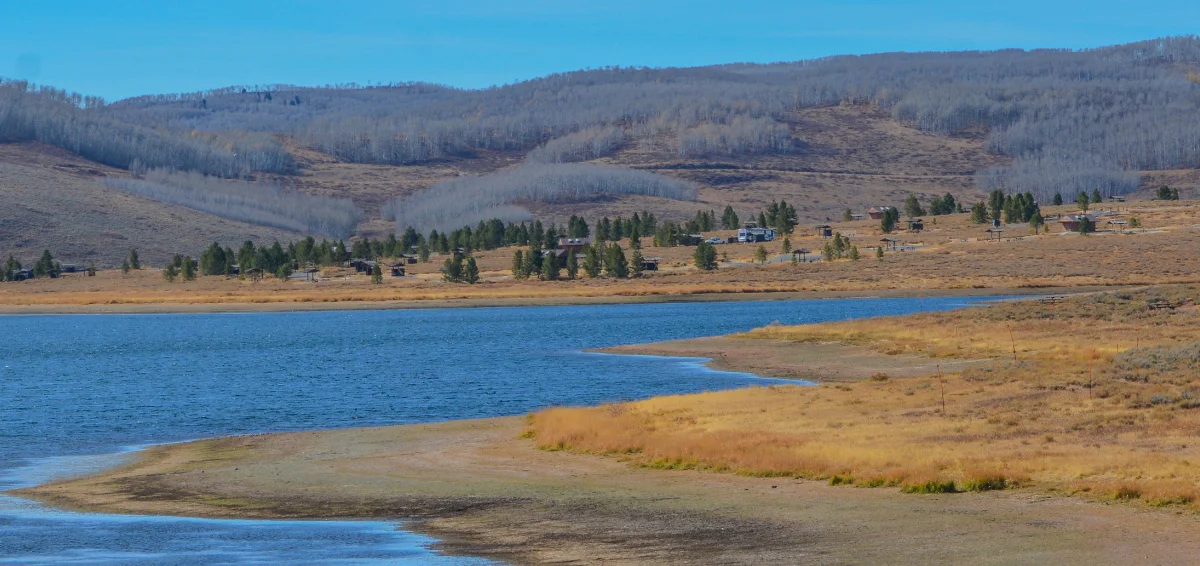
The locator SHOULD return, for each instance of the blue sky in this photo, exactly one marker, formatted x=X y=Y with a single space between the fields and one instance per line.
x=119 y=49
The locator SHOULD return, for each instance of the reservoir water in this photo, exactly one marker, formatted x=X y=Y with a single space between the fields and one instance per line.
x=77 y=393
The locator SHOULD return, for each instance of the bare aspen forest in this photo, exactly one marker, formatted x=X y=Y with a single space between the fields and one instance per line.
x=464 y=201
x=264 y=203
x=827 y=134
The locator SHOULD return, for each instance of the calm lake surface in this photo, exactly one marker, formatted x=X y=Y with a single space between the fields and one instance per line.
x=77 y=392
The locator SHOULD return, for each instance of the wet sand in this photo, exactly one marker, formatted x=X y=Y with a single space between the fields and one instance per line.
x=484 y=491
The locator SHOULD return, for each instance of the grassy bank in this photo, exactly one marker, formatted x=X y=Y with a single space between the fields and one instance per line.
x=951 y=256
x=1097 y=395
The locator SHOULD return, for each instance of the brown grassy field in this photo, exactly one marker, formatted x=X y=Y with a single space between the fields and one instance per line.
x=952 y=255
x=1098 y=396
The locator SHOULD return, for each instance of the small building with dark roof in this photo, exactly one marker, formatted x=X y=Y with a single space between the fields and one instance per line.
x=1071 y=222
x=877 y=212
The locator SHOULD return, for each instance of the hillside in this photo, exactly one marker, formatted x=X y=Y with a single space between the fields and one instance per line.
x=50 y=199
x=825 y=135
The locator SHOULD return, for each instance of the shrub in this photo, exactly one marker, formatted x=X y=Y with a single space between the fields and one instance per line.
x=986 y=483
x=1127 y=492
x=931 y=486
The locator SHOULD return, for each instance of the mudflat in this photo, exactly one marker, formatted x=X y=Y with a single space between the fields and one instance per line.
x=484 y=490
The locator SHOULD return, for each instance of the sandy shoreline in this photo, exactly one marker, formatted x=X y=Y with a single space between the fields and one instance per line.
x=349 y=305
x=483 y=491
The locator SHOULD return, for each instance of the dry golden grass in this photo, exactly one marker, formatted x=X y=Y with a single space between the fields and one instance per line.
x=1102 y=397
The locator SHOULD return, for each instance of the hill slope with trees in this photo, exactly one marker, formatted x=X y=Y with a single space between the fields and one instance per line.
x=847 y=131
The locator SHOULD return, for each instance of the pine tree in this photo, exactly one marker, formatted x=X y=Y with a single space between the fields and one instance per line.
x=572 y=264
x=1082 y=201
x=853 y=255
x=1036 y=221
x=760 y=255
x=615 y=264
x=591 y=262
x=705 y=256
x=376 y=274
x=979 y=213
x=879 y=252
x=169 y=273
x=125 y=267
x=890 y=217
x=518 y=265
x=471 y=274
x=787 y=246
x=452 y=269
x=134 y=262
x=1096 y=198
x=188 y=269
x=635 y=237
x=847 y=215
x=635 y=263
x=912 y=207
x=550 y=267
x=44 y=266
x=1058 y=200
x=729 y=219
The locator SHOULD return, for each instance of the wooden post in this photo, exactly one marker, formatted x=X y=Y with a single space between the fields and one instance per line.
x=1014 y=342
x=942 y=383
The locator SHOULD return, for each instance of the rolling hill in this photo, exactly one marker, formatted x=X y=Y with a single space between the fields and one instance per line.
x=825 y=135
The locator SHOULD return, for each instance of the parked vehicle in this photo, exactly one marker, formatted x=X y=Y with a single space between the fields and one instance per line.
x=756 y=235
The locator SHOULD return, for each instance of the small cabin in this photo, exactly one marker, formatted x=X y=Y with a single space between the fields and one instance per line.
x=824 y=231
x=20 y=274
x=877 y=212
x=360 y=265
x=650 y=263
x=915 y=224
x=397 y=269
x=409 y=258
x=1116 y=199
x=1071 y=222
x=69 y=268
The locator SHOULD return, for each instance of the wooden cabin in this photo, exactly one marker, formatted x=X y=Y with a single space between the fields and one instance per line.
x=877 y=212
x=397 y=269
x=650 y=263
x=1071 y=222
x=824 y=231
x=915 y=224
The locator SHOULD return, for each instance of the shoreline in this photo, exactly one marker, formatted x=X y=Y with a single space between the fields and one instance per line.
x=482 y=490
x=501 y=302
